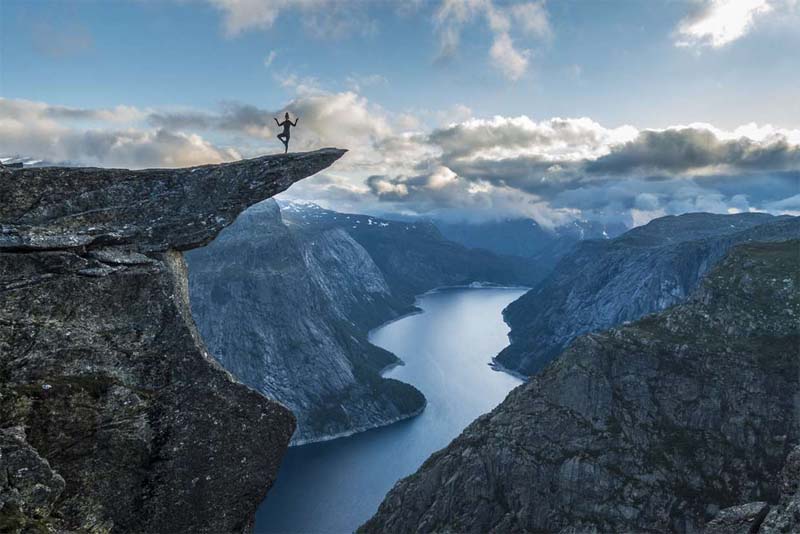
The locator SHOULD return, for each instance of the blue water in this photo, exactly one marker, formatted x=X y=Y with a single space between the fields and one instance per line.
x=333 y=487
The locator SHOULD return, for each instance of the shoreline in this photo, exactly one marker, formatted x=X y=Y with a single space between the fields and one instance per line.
x=415 y=310
x=359 y=430
x=500 y=368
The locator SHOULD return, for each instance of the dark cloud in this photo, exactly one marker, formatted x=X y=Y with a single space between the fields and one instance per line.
x=688 y=149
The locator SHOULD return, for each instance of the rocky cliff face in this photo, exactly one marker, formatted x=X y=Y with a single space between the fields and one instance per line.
x=650 y=427
x=605 y=283
x=113 y=416
x=286 y=311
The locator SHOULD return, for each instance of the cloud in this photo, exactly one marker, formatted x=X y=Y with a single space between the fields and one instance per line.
x=529 y=17
x=696 y=150
x=533 y=19
x=512 y=62
x=27 y=109
x=320 y=18
x=357 y=82
x=720 y=22
x=270 y=58
x=554 y=140
x=50 y=133
x=561 y=168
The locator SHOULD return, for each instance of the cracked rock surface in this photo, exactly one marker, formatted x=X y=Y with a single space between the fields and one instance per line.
x=109 y=401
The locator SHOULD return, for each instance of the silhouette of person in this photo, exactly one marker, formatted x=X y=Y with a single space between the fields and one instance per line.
x=284 y=136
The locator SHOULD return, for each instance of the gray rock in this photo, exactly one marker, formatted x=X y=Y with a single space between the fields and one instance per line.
x=149 y=210
x=29 y=487
x=742 y=519
x=100 y=360
x=649 y=427
x=604 y=283
x=784 y=518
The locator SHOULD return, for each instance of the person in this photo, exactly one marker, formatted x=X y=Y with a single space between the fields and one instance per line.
x=284 y=136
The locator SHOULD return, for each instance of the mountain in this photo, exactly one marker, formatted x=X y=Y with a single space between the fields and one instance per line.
x=287 y=314
x=527 y=238
x=605 y=283
x=285 y=299
x=113 y=415
x=414 y=256
x=650 y=427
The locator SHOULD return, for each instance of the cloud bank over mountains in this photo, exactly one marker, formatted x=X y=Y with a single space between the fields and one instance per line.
x=553 y=169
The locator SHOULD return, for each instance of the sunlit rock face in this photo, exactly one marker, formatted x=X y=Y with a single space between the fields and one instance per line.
x=655 y=426
x=117 y=409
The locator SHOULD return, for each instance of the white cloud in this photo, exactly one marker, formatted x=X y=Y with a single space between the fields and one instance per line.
x=529 y=17
x=721 y=22
x=49 y=133
x=321 y=18
x=533 y=18
x=270 y=58
x=512 y=62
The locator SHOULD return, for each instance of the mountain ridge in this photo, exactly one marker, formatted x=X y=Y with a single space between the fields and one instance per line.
x=601 y=284
x=652 y=426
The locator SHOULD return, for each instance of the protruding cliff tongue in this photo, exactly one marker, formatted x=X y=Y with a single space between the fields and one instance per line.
x=117 y=409
x=150 y=209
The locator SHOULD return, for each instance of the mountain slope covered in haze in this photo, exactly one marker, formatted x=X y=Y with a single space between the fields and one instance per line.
x=527 y=238
x=650 y=427
x=605 y=283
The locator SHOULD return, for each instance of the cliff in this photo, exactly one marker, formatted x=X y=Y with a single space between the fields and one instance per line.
x=283 y=311
x=650 y=427
x=113 y=415
x=606 y=283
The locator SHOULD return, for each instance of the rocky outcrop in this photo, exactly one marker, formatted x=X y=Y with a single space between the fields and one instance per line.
x=104 y=381
x=785 y=515
x=650 y=427
x=286 y=311
x=28 y=485
x=604 y=283
x=782 y=517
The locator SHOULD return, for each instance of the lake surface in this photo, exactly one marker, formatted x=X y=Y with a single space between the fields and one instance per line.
x=335 y=486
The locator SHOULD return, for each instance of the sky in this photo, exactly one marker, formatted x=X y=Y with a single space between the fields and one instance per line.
x=612 y=110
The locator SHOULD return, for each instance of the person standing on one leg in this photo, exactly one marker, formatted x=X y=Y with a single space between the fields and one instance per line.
x=284 y=136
